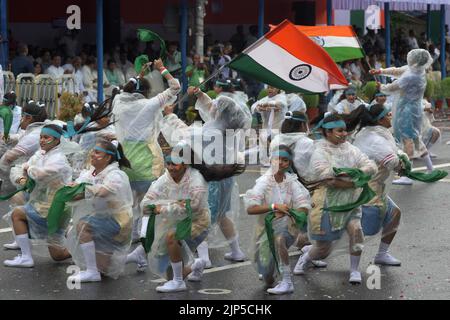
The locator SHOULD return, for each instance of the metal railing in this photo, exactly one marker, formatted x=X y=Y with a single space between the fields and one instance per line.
x=43 y=88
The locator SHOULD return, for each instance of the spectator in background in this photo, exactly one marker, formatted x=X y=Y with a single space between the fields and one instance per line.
x=434 y=52
x=21 y=63
x=37 y=68
x=45 y=59
x=238 y=39
x=173 y=60
x=55 y=69
x=197 y=72
x=68 y=66
x=412 y=41
x=126 y=66
x=78 y=75
x=252 y=36
x=115 y=75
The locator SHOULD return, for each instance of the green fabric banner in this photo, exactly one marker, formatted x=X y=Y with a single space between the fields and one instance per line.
x=57 y=213
x=300 y=220
x=361 y=180
x=28 y=187
x=182 y=232
x=7 y=116
x=434 y=176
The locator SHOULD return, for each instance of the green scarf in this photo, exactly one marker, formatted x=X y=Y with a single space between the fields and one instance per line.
x=28 y=187
x=147 y=242
x=7 y=116
x=182 y=232
x=361 y=180
x=300 y=219
x=146 y=35
x=434 y=176
x=57 y=214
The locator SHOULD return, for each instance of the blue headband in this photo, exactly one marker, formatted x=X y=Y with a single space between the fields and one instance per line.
x=382 y=114
x=289 y=115
x=51 y=132
x=330 y=125
x=116 y=154
x=282 y=154
x=176 y=160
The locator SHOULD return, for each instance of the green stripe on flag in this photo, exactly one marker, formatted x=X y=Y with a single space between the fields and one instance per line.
x=339 y=54
x=248 y=66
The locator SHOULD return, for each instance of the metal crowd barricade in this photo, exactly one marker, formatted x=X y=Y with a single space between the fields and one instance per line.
x=9 y=81
x=67 y=82
x=25 y=88
x=47 y=93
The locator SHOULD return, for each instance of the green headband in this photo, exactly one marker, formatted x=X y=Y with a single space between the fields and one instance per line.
x=51 y=132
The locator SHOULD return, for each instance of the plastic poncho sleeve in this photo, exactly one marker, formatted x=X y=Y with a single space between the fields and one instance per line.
x=203 y=105
x=169 y=95
x=393 y=71
x=173 y=129
x=434 y=176
x=53 y=166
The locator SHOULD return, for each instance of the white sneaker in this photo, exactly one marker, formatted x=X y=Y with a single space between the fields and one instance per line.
x=355 y=277
x=239 y=257
x=301 y=266
x=11 y=246
x=260 y=276
x=172 y=286
x=387 y=260
x=319 y=264
x=208 y=264
x=197 y=270
x=20 y=262
x=403 y=181
x=86 y=276
x=282 y=287
x=139 y=257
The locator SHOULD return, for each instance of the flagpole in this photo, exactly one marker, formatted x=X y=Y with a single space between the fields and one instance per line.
x=207 y=79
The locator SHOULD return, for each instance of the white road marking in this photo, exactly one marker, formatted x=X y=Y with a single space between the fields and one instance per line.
x=5 y=230
x=437 y=166
x=226 y=267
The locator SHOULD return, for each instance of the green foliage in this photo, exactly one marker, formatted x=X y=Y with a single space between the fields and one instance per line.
x=311 y=100
x=445 y=87
x=262 y=94
x=212 y=94
x=369 y=90
x=429 y=90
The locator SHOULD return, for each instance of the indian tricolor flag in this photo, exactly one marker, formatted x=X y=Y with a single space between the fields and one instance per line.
x=340 y=42
x=287 y=59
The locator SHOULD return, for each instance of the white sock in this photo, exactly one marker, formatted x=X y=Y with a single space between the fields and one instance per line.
x=234 y=245
x=354 y=262
x=203 y=252
x=383 y=249
x=25 y=245
x=286 y=273
x=177 y=268
x=428 y=162
x=88 y=250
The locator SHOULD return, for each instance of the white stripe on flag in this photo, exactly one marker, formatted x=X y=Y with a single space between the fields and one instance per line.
x=281 y=62
x=332 y=41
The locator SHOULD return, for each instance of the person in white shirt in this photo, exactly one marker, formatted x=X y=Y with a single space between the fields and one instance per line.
x=55 y=70
x=90 y=79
